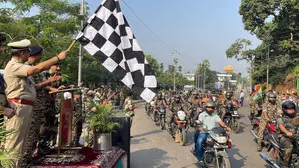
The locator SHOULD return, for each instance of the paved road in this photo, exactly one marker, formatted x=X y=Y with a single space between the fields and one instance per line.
x=154 y=148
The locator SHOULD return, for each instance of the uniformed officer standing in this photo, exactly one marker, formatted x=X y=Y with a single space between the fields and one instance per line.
x=42 y=95
x=21 y=91
x=77 y=119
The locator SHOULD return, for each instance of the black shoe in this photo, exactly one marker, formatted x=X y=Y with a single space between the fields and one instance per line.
x=131 y=136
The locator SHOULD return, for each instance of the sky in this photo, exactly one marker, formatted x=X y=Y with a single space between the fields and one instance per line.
x=196 y=29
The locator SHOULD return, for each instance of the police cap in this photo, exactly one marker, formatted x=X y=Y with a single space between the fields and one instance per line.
x=19 y=45
x=2 y=37
x=35 y=50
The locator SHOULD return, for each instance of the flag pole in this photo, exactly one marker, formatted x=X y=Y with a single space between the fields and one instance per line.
x=71 y=46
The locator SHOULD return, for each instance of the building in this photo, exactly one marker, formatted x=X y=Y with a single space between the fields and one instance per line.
x=222 y=77
x=189 y=76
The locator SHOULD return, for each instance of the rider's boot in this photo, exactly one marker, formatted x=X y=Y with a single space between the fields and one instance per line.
x=177 y=137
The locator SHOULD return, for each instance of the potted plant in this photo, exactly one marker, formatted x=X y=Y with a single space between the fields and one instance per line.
x=100 y=122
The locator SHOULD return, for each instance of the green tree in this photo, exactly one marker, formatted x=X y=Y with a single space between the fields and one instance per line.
x=276 y=23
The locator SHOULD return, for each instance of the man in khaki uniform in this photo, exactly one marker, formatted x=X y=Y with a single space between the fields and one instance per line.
x=21 y=91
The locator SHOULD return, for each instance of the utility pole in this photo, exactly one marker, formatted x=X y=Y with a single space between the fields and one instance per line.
x=268 y=68
x=175 y=61
x=195 y=78
x=204 y=78
x=81 y=16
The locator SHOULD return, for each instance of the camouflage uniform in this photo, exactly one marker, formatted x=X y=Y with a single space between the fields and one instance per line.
x=194 y=104
x=77 y=122
x=50 y=126
x=174 y=107
x=122 y=96
x=37 y=117
x=3 y=100
x=224 y=104
x=272 y=110
x=285 y=141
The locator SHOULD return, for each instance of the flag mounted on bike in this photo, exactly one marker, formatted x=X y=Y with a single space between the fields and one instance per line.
x=108 y=37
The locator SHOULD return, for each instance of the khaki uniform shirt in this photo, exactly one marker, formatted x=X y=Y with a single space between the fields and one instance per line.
x=17 y=82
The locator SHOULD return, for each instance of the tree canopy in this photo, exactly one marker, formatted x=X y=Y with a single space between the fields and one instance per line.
x=276 y=24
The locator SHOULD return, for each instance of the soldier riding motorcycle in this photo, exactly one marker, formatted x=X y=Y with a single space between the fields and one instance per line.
x=175 y=107
x=159 y=110
x=194 y=103
x=285 y=151
x=271 y=109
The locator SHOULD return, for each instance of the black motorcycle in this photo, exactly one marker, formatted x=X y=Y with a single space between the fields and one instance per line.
x=160 y=116
x=277 y=151
x=150 y=108
x=215 y=148
x=231 y=117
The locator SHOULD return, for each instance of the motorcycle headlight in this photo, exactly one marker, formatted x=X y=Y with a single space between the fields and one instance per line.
x=162 y=110
x=152 y=103
x=221 y=139
x=181 y=115
x=235 y=112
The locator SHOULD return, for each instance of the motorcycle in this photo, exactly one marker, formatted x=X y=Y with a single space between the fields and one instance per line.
x=215 y=148
x=150 y=108
x=277 y=152
x=231 y=117
x=160 y=120
x=269 y=131
x=179 y=127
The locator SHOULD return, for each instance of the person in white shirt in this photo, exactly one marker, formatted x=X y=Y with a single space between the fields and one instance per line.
x=242 y=95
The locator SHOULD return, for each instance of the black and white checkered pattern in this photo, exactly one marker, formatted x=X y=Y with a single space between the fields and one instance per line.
x=108 y=37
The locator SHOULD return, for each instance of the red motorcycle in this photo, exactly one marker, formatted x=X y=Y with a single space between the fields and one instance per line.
x=269 y=131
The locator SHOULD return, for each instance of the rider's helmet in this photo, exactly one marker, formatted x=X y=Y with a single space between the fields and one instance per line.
x=205 y=100
x=212 y=105
x=177 y=98
x=159 y=95
x=229 y=94
x=272 y=97
x=195 y=94
x=289 y=109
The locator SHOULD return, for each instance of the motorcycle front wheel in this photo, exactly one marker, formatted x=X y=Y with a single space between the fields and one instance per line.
x=224 y=163
x=162 y=121
x=183 y=136
x=235 y=125
x=157 y=119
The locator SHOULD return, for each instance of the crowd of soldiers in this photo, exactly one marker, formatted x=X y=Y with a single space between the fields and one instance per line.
x=193 y=101
x=29 y=102
x=281 y=108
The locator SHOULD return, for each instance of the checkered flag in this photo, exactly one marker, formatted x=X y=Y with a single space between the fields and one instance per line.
x=108 y=37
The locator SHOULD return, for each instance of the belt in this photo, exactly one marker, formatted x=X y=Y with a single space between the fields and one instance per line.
x=21 y=101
